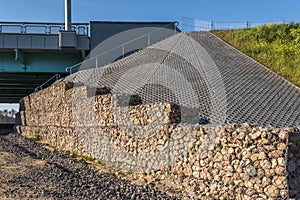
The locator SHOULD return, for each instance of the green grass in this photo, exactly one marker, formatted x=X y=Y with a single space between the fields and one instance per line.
x=84 y=157
x=277 y=46
x=130 y=171
x=87 y=158
x=35 y=138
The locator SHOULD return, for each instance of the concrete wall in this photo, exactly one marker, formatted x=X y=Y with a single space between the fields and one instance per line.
x=101 y=31
x=114 y=40
x=233 y=161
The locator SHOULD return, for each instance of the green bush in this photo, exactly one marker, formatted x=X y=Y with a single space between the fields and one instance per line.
x=276 y=46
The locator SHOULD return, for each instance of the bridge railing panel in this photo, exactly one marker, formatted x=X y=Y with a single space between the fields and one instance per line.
x=41 y=28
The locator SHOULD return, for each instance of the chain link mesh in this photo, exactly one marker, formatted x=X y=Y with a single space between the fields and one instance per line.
x=210 y=81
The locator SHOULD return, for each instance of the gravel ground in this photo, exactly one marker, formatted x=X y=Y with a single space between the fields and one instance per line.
x=30 y=171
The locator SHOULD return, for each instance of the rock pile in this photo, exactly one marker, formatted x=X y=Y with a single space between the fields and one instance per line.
x=235 y=161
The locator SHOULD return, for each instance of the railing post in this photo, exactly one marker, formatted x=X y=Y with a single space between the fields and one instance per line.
x=23 y=29
x=175 y=25
x=148 y=36
x=181 y=23
x=48 y=29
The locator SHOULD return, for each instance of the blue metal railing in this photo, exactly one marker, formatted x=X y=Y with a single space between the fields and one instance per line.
x=41 y=28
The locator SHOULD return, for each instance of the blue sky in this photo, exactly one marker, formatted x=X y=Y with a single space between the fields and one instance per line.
x=151 y=10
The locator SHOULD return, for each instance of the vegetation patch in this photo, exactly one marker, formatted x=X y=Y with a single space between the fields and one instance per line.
x=277 y=46
x=35 y=138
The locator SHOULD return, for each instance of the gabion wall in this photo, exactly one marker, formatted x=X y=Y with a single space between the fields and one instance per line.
x=234 y=161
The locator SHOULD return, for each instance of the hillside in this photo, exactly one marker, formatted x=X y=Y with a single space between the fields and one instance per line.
x=277 y=46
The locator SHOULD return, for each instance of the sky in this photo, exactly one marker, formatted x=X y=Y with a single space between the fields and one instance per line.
x=149 y=10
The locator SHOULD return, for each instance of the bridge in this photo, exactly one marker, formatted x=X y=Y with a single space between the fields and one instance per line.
x=31 y=53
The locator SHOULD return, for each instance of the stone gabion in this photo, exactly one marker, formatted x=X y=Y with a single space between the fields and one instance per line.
x=232 y=161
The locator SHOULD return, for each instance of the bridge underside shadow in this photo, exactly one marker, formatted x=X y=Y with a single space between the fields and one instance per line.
x=15 y=85
x=21 y=71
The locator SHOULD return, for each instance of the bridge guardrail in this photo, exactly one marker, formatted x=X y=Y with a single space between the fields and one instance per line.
x=41 y=28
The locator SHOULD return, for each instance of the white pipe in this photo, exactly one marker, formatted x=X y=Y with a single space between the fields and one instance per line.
x=68 y=21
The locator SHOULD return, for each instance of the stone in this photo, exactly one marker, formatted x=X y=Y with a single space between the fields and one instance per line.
x=280 y=181
x=265 y=164
x=280 y=170
x=266 y=181
x=274 y=163
x=281 y=161
x=196 y=174
x=260 y=173
x=281 y=146
x=230 y=150
x=276 y=154
x=272 y=191
x=262 y=155
x=258 y=188
x=196 y=168
x=245 y=176
x=249 y=184
x=283 y=135
x=254 y=157
x=250 y=170
x=246 y=155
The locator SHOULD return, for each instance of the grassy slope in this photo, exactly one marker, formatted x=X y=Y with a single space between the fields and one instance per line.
x=275 y=46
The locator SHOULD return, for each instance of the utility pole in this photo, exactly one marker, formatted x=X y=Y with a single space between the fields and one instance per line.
x=68 y=16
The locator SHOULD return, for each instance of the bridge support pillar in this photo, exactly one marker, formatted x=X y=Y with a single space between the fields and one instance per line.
x=19 y=56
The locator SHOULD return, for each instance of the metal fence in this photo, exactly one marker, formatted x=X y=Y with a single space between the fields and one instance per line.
x=192 y=24
x=41 y=28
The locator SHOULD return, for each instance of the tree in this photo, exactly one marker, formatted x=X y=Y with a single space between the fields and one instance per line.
x=13 y=112
x=5 y=112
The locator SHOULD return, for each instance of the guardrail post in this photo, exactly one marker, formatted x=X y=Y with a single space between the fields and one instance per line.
x=47 y=29
x=23 y=29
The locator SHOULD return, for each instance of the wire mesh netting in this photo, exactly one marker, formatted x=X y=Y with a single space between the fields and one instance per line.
x=210 y=81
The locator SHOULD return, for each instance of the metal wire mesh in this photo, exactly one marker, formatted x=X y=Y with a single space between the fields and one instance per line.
x=210 y=81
